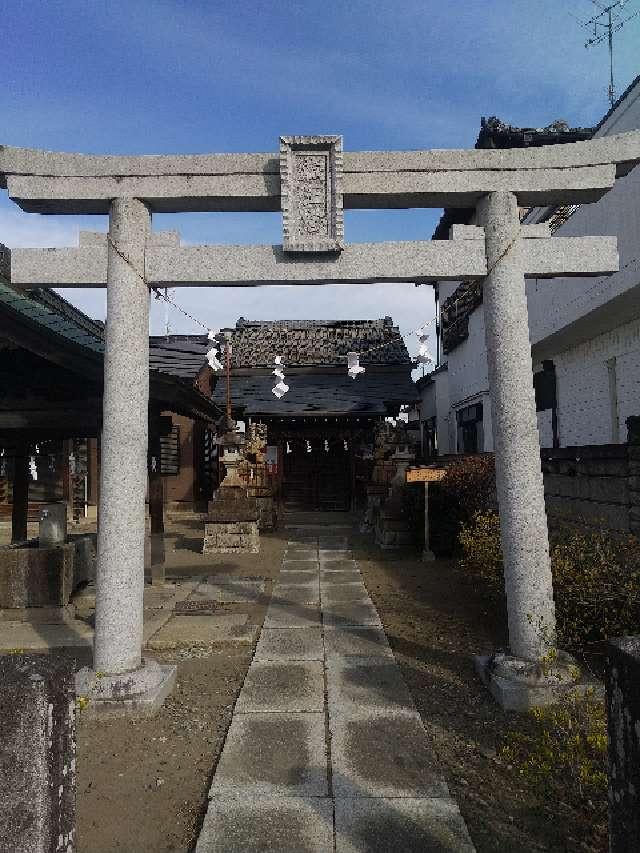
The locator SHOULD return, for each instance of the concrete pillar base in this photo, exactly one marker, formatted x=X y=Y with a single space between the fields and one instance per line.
x=519 y=685
x=428 y=556
x=138 y=693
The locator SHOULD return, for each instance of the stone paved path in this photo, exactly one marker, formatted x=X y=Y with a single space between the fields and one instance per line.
x=326 y=752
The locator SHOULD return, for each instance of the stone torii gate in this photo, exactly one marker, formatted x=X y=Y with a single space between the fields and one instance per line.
x=312 y=181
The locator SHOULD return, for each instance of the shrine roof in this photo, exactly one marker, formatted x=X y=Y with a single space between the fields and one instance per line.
x=321 y=394
x=301 y=343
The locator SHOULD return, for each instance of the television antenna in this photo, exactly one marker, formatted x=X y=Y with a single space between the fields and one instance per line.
x=603 y=25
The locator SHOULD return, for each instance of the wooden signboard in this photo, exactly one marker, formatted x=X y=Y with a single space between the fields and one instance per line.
x=425 y=475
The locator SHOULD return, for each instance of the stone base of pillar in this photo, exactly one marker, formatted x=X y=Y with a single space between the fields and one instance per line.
x=428 y=556
x=138 y=693
x=519 y=685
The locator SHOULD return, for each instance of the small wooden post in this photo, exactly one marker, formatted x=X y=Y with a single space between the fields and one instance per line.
x=20 y=500
x=427 y=554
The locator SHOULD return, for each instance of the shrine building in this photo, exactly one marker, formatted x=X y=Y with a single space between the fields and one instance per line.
x=323 y=425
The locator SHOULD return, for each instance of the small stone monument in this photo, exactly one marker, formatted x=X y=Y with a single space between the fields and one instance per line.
x=232 y=520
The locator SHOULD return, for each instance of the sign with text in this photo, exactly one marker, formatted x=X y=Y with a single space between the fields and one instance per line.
x=425 y=475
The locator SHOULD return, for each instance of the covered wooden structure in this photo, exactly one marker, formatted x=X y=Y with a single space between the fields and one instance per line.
x=51 y=381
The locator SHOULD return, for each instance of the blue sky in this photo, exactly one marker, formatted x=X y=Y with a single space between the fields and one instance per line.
x=159 y=76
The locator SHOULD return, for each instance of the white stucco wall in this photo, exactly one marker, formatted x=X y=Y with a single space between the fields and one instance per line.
x=581 y=324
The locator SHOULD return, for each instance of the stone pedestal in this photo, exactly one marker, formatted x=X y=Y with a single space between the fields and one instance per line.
x=393 y=529
x=519 y=685
x=523 y=520
x=265 y=505
x=623 y=711
x=232 y=522
x=37 y=755
x=32 y=577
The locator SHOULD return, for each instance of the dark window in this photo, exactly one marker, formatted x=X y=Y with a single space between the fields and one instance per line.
x=470 y=430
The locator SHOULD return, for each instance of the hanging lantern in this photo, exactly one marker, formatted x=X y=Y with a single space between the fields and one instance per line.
x=353 y=364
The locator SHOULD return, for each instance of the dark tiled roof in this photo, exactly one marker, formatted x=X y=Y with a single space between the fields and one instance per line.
x=495 y=133
x=180 y=356
x=49 y=318
x=304 y=342
x=320 y=394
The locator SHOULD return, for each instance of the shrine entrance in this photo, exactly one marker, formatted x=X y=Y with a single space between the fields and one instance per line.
x=312 y=181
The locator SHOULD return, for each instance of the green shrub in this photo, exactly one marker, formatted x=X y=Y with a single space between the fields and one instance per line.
x=563 y=751
x=596 y=577
x=468 y=487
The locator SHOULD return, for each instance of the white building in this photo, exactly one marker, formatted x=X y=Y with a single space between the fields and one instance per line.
x=585 y=332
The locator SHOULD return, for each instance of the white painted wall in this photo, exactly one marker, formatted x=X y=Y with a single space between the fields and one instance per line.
x=582 y=324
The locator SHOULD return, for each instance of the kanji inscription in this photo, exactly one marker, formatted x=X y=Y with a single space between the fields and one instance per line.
x=310 y=177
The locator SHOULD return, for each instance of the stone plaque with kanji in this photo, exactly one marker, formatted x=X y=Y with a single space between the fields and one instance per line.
x=311 y=193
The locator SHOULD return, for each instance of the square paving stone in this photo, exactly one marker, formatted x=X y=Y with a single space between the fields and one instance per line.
x=290 y=644
x=379 y=825
x=300 y=566
x=301 y=554
x=334 y=554
x=351 y=613
x=292 y=616
x=267 y=825
x=339 y=566
x=340 y=576
x=228 y=590
x=357 y=684
x=273 y=754
x=198 y=630
x=303 y=593
x=337 y=593
x=282 y=686
x=383 y=755
x=369 y=642
x=298 y=576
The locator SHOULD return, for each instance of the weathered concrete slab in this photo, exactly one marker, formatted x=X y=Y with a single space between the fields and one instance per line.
x=301 y=554
x=300 y=565
x=308 y=593
x=383 y=755
x=283 y=644
x=356 y=685
x=282 y=686
x=200 y=630
x=42 y=637
x=337 y=593
x=261 y=824
x=292 y=616
x=295 y=577
x=338 y=565
x=228 y=590
x=332 y=554
x=378 y=825
x=349 y=613
x=368 y=642
x=339 y=576
x=275 y=755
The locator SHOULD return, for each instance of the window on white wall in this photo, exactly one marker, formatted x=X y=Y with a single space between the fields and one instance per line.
x=612 y=370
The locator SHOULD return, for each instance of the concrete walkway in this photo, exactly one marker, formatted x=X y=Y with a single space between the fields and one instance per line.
x=325 y=751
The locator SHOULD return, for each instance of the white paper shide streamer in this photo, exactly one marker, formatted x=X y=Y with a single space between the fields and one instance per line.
x=281 y=388
x=353 y=364
x=424 y=355
x=212 y=354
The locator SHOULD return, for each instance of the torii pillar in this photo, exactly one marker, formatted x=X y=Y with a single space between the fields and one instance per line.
x=533 y=672
x=120 y=679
